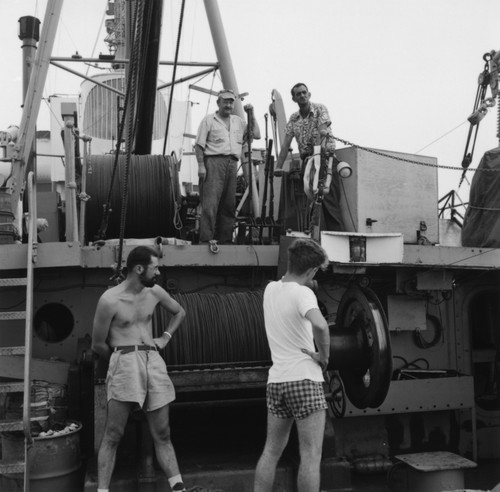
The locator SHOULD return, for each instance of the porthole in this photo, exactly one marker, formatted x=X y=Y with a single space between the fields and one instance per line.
x=53 y=322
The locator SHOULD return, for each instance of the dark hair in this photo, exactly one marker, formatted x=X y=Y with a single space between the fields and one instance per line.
x=304 y=254
x=140 y=255
x=298 y=84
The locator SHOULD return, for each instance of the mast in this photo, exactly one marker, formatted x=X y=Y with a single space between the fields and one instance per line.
x=222 y=51
x=229 y=82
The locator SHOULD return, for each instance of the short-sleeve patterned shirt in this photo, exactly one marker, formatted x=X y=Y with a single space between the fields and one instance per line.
x=305 y=130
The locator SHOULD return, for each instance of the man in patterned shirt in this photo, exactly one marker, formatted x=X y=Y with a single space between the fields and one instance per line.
x=309 y=125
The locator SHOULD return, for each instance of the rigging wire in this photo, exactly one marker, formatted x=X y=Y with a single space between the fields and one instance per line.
x=96 y=39
x=174 y=72
x=442 y=136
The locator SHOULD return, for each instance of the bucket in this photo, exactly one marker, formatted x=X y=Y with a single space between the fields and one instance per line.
x=55 y=460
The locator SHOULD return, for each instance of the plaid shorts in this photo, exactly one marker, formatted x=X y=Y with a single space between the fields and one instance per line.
x=295 y=399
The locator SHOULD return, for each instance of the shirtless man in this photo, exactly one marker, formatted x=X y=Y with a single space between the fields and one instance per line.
x=137 y=374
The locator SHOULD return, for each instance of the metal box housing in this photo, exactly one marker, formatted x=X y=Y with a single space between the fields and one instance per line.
x=390 y=195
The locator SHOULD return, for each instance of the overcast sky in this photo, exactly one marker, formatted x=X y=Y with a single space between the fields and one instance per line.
x=396 y=75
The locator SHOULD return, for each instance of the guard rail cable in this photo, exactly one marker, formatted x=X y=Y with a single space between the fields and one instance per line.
x=410 y=161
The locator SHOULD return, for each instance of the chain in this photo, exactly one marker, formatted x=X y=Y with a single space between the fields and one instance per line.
x=411 y=161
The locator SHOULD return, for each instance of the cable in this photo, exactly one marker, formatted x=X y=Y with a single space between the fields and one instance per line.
x=348 y=207
x=174 y=72
x=421 y=342
x=218 y=329
x=134 y=67
x=442 y=136
x=411 y=161
x=152 y=195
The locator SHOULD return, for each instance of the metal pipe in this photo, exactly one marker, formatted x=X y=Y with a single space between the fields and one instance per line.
x=189 y=77
x=83 y=202
x=74 y=72
x=70 y=192
x=122 y=61
x=219 y=403
x=29 y=34
x=222 y=51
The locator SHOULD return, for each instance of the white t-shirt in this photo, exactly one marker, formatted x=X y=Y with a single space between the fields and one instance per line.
x=288 y=331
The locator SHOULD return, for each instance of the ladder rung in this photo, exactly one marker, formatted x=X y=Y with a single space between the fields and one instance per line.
x=12 y=350
x=13 y=282
x=9 y=425
x=11 y=467
x=8 y=316
x=12 y=387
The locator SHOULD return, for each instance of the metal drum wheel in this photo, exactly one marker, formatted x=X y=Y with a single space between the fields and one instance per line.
x=360 y=348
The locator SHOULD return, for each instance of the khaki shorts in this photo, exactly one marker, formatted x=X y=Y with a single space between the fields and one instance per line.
x=140 y=377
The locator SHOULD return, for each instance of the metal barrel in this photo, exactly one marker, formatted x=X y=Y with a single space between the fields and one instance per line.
x=56 y=462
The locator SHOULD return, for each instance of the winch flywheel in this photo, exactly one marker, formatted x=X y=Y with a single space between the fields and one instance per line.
x=360 y=348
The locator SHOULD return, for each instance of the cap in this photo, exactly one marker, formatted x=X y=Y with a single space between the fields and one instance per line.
x=227 y=94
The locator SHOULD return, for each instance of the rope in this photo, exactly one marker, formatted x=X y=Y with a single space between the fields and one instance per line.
x=411 y=161
x=134 y=68
x=107 y=205
x=218 y=329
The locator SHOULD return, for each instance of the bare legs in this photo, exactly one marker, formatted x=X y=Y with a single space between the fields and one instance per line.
x=310 y=431
x=278 y=431
x=116 y=420
x=160 y=430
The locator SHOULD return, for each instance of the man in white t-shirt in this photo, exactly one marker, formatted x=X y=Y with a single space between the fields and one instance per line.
x=294 y=324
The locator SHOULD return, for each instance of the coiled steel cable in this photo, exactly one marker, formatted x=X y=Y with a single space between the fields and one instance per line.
x=152 y=194
x=219 y=329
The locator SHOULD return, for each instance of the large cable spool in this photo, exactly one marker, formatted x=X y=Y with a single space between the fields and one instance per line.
x=360 y=348
x=219 y=329
x=227 y=330
x=153 y=190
